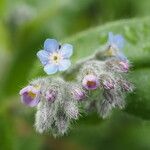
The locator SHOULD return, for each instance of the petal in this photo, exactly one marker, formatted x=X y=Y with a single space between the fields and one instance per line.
x=43 y=56
x=119 y=41
x=64 y=64
x=27 y=100
x=51 y=45
x=51 y=68
x=121 y=57
x=66 y=50
x=34 y=102
x=26 y=89
x=110 y=37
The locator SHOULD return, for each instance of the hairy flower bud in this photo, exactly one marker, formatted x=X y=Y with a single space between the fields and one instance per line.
x=71 y=110
x=127 y=87
x=108 y=84
x=124 y=66
x=78 y=94
x=50 y=95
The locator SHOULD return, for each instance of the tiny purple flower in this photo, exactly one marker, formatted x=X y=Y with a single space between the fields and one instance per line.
x=90 y=82
x=55 y=57
x=50 y=95
x=116 y=44
x=78 y=94
x=30 y=95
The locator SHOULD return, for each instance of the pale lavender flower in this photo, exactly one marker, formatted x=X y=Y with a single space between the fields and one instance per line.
x=116 y=44
x=90 y=82
x=30 y=95
x=55 y=57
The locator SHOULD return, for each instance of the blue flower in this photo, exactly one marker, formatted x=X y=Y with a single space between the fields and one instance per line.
x=55 y=57
x=116 y=44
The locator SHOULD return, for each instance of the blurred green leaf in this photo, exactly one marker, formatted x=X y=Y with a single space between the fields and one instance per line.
x=138 y=102
x=120 y=132
x=6 y=130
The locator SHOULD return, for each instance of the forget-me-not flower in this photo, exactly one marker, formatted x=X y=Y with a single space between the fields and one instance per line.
x=116 y=44
x=55 y=57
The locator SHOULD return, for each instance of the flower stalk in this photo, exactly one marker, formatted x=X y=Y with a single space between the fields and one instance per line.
x=98 y=83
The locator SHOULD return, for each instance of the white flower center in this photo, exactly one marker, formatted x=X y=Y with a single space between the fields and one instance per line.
x=55 y=58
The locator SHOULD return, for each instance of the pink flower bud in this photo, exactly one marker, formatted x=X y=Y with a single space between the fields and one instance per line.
x=108 y=84
x=78 y=94
x=124 y=66
x=127 y=87
x=50 y=95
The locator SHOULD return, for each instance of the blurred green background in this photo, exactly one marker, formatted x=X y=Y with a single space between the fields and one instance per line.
x=25 y=24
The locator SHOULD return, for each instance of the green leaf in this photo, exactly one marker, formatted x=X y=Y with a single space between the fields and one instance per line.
x=137 y=35
x=135 y=31
x=138 y=102
x=116 y=133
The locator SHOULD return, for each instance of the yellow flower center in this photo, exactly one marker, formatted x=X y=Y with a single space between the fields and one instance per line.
x=111 y=52
x=55 y=58
x=91 y=83
x=32 y=95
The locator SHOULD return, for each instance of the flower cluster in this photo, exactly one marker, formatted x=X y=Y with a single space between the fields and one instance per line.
x=101 y=85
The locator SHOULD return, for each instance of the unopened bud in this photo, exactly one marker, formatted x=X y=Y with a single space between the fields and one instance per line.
x=78 y=94
x=50 y=95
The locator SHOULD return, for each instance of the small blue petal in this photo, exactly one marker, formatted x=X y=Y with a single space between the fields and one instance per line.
x=121 y=57
x=119 y=41
x=51 y=68
x=64 y=64
x=43 y=56
x=116 y=40
x=66 y=50
x=110 y=37
x=51 y=45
